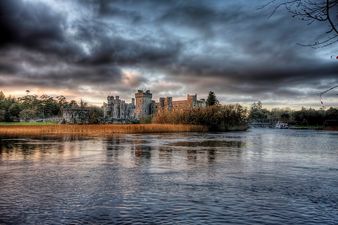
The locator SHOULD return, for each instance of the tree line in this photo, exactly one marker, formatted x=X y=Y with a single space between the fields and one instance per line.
x=215 y=115
x=302 y=117
x=32 y=106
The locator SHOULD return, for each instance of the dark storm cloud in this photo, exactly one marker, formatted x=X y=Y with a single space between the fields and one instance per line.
x=200 y=17
x=229 y=46
x=22 y=67
x=271 y=58
x=32 y=26
x=132 y=52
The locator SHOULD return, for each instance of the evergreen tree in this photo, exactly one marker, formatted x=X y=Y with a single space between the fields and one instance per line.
x=2 y=96
x=212 y=100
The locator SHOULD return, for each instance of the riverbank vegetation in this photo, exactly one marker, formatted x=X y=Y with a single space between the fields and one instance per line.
x=301 y=119
x=215 y=117
x=38 y=108
x=98 y=130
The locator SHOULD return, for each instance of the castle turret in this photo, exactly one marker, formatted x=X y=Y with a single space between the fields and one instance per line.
x=162 y=102
x=110 y=100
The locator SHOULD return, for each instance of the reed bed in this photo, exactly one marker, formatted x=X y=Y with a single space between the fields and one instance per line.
x=98 y=130
x=216 y=118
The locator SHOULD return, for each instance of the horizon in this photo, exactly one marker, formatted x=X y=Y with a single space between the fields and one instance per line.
x=129 y=100
x=91 y=49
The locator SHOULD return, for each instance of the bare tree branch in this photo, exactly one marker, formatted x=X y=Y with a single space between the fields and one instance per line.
x=310 y=11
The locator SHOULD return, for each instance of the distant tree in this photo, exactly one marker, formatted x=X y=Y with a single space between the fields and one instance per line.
x=2 y=96
x=29 y=101
x=212 y=99
x=280 y=114
x=332 y=114
x=5 y=104
x=14 y=110
x=73 y=104
x=95 y=114
x=49 y=106
x=2 y=115
x=31 y=106
x=309 y=117
x=285 y=117
x=83 y=104
x=62 y=101
x=257 y=113
x=28 y=114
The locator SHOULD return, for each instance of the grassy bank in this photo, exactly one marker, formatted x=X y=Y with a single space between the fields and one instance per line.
x=97 y=130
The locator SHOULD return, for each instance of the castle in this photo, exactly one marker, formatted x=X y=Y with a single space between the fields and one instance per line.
x=142 y=106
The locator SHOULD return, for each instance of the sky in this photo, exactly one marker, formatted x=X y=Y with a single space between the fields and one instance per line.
x=89 y=49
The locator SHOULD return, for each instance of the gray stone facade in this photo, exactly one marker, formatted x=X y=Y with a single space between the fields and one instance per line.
x=118 y=111
x=144 y=104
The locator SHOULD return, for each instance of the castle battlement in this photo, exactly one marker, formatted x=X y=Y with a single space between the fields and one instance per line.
x=143 y=106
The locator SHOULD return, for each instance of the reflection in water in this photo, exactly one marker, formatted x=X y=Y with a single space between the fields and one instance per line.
x=209 y=143
x=260 y=176
x=211 y=155
x=165 y=153
x=143 y=151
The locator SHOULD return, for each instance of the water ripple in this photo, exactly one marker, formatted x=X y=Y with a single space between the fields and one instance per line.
x=258 y=177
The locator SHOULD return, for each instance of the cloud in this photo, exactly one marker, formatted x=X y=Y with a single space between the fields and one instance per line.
x=172 y=47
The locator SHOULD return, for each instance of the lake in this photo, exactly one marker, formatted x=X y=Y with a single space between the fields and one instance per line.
x=262 y=176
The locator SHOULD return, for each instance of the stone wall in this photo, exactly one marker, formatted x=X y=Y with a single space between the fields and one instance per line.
x=117 y=110
x=75 y=116
x=167 y=104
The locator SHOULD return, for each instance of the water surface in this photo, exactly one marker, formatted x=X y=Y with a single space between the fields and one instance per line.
x=262 y=176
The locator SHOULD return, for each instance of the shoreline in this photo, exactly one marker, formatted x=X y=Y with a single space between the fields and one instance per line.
x=98 y=130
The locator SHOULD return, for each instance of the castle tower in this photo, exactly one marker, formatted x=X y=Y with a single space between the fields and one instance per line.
x=162 y=103
x=110 y=100
x=192 y=100
x=143 y=104
x=169 y=103
x=109 y=110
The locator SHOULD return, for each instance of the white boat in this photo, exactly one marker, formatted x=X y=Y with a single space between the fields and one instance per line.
x=281 y=125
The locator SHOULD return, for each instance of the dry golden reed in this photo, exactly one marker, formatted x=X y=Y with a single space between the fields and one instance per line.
x=98 y=130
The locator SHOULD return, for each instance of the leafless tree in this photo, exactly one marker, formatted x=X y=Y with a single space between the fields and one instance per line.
x=310 y=11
